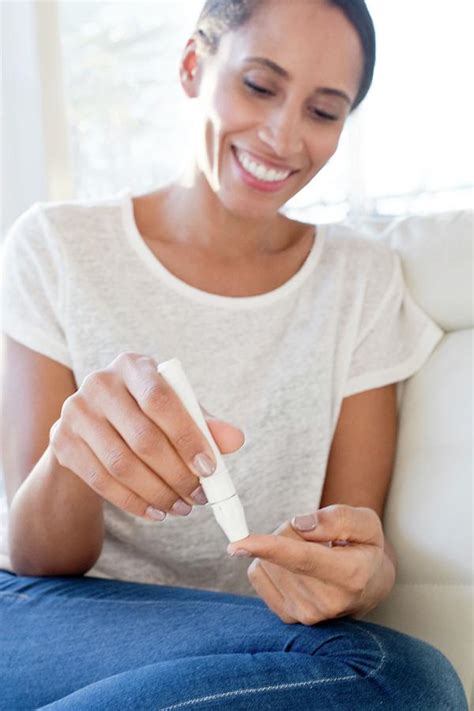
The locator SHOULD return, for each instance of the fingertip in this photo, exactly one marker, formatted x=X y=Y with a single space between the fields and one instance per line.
x=304 y=522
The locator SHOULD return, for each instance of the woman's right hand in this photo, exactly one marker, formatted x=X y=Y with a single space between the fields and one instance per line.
x=127 y=435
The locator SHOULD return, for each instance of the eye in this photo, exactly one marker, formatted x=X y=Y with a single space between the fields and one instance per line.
x=322 y=114
x=256 y=89
x=262 y=91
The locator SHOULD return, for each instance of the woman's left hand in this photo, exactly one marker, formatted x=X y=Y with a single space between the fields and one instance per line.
x=302 y=579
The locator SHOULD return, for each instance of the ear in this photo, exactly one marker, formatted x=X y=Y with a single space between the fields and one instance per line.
x=189 y=68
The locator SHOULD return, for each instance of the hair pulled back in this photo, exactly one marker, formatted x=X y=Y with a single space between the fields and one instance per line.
x=220 y=16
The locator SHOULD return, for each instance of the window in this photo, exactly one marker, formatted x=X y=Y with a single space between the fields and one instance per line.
x=408 y=148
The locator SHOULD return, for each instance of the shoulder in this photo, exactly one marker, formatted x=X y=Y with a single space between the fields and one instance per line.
x=81 y=213
x=362 y=256
x=25 y=234
x=51 y=225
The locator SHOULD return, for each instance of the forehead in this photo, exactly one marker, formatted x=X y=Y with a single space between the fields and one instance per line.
x=300 y=35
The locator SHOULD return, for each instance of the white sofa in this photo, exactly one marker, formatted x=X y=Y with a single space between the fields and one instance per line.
x=429 y=511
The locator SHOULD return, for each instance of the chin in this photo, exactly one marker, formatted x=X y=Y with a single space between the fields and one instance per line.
x=246 y=209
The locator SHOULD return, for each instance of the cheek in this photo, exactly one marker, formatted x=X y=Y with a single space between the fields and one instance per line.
x=232 y=113
x=322 y=144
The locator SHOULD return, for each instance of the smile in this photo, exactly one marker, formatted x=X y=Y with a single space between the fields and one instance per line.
x=259 y=170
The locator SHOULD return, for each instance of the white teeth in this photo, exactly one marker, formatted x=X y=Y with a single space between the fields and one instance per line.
x=261 y=171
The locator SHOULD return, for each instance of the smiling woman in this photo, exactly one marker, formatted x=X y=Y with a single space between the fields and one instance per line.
x=283 y=110
x=298 y=332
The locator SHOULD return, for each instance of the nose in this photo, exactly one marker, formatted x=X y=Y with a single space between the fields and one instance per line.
x=282 y=132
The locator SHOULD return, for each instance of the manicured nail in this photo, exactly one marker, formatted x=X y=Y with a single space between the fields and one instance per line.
x=204 y=465
x=240 y=552
x=199 y=496
x=181 y=508
x=243 y=443
x=305 y=522
x=155 y=514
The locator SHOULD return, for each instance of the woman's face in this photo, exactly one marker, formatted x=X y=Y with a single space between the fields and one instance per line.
x=272 y=102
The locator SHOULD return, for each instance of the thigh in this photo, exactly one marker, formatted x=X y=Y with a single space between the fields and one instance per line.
x=80 y=643
x=59 y=635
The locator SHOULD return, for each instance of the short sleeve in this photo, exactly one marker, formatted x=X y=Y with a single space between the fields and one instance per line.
x=32 y=286
x=395 y=336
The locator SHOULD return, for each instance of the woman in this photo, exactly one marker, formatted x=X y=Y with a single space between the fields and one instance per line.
x=113 y=596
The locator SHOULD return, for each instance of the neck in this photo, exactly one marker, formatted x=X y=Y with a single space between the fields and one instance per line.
x=197 y=218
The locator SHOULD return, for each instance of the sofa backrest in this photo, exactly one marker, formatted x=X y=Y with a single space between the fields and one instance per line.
x=429 y=510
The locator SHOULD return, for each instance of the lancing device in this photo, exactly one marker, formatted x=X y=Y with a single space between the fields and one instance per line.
x=218 y=487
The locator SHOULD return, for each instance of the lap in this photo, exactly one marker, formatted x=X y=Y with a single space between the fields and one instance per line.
x=82 y=642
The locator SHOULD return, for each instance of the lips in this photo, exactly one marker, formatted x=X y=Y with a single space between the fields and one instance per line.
x=257 y=175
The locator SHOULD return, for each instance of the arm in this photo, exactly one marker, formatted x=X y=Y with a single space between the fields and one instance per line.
x=362 y=456
x=55 y=519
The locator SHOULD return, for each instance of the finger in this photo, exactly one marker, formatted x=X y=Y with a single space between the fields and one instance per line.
x=86 y=465
x=268 y=592
x=228 y=438
x=344 y=523
x=304 y=598
x=160 y=403
x=149 y=444
x=125 y=468
x=331 y=565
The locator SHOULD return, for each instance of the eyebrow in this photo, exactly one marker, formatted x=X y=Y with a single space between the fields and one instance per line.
x=286 y=75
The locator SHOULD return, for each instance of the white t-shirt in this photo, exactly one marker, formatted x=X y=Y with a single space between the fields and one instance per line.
x=81 y=286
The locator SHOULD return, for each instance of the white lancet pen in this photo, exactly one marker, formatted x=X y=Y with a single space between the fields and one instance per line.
x=219 y=488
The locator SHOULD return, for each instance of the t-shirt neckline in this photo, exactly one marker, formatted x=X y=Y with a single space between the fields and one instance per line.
x=233 y=302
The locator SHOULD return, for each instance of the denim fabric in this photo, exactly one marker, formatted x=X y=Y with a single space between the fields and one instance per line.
x=92 y=644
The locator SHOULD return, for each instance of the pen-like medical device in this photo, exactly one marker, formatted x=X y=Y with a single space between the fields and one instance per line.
x=218 y=487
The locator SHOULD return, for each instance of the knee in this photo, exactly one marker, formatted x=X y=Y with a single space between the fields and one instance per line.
x=410 y=671
x=420 y=675
x=437 y=678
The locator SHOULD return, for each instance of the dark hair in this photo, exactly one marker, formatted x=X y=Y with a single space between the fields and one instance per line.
x=220 y=16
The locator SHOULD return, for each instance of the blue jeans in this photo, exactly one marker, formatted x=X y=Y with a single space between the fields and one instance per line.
x=92 y=644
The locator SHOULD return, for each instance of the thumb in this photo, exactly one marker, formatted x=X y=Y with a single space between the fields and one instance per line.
x=229 y=438
x=340 y=523
x=310 y=528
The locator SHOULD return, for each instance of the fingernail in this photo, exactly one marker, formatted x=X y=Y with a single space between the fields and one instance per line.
x=181 y=508
x=305 y=522
x=240 y=552
x=199 y=496
x=204 y=465
x=243 y=443
x=155 y=514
